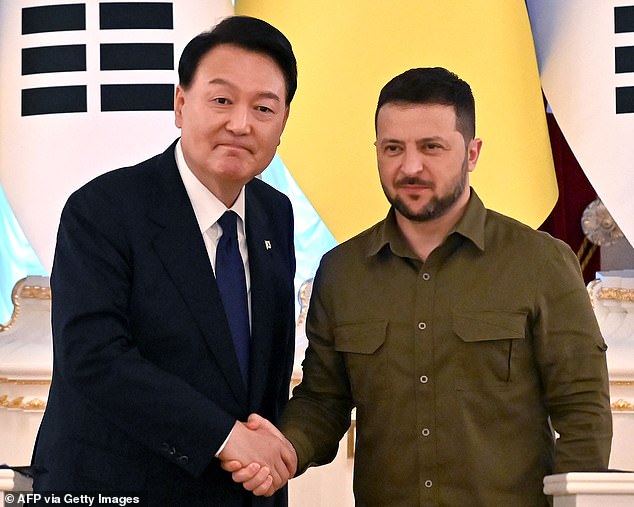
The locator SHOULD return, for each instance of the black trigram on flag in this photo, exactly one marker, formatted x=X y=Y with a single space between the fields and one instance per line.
x=112 y=57
x=624 y=58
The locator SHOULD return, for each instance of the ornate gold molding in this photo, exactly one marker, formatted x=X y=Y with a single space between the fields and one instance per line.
x=617 y=294
x=15 y=402
x=26 y=401
x=22 y=403
x=621 y=405
x=16 y=305
x=25 y=382
x=34 y=404
x=35 y=292
x=21 y=290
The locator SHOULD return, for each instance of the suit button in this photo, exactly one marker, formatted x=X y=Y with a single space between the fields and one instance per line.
x=172 y=451
x=182 y=460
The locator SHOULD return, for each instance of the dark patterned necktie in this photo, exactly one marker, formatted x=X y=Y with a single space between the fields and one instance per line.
x=233 y=289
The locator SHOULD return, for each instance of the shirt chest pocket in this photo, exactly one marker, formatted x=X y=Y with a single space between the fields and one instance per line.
x=362 y=345
x=489 y=343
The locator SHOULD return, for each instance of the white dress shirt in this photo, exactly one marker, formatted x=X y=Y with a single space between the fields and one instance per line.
x=208 y=209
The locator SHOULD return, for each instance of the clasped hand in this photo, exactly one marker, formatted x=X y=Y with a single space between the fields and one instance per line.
x=259 y=456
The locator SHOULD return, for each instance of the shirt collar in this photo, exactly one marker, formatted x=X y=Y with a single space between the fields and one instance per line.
x=470 y=226
x=207 y=207
x=387 y=233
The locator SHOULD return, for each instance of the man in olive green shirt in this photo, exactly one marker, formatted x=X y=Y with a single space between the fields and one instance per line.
x=462 y=337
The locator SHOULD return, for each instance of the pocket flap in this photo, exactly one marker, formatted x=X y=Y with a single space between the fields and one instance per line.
x=360 y=337
x=489 y=325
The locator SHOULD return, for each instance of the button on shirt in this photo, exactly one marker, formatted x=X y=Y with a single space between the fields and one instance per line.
x=454 y=366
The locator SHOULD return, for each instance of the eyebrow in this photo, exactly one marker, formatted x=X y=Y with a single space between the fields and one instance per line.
x=421 y=140
x=390 y=141
x=432 y=139
x=263 y=94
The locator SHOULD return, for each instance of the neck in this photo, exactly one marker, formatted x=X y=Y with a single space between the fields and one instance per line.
x=424 y=237
x=226 y=192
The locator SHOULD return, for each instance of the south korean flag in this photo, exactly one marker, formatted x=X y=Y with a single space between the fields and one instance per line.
x=87 y=86
x=585 y=50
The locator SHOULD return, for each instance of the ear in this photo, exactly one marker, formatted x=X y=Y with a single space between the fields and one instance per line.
x=284 y=119
x=179 y=101
x=473 y=153
x=287 y=112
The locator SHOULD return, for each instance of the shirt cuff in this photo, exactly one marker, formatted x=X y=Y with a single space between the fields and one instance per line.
x=224 y=443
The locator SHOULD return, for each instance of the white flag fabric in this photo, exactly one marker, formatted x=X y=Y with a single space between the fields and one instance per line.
x=585 y=51
x=86 y=87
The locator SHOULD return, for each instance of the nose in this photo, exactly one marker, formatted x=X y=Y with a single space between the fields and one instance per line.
x=412 y=162
x=239 y=121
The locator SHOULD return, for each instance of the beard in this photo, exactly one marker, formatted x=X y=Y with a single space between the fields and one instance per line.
x=438 y=204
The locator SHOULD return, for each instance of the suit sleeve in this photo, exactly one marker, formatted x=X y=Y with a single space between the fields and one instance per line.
x=99 y=358
x=570 y=352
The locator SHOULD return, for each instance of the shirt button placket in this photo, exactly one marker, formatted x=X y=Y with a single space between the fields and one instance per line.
x=425 y=391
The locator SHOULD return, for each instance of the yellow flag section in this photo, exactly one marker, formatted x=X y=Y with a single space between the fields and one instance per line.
x=347 y=50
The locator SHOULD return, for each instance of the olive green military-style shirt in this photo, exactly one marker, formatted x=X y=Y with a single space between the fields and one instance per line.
x=455 y=366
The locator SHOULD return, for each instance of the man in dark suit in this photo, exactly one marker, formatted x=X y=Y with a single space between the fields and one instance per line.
x=149 y=385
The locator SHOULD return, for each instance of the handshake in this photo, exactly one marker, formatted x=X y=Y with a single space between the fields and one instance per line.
x=259 y=456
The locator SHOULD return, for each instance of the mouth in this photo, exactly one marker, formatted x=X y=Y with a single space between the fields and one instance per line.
x=414 y=184
x=233 y=147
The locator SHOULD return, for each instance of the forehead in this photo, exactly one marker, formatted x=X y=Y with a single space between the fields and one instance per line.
x=428 y=119
x=240 y=66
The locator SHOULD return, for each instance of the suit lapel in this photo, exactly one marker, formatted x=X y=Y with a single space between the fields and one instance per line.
x=182 y=251
x=260 y=259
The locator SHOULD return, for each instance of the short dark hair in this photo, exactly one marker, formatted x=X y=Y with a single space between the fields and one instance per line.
x=432 y=85
x=247 y=33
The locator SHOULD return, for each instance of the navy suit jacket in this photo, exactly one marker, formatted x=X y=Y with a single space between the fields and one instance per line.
x=146 y=384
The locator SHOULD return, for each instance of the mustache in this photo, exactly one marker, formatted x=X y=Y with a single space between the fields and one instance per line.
x=413 y=180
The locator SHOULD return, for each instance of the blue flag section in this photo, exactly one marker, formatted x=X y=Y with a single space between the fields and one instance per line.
x=17 y=258
x=312 y=237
